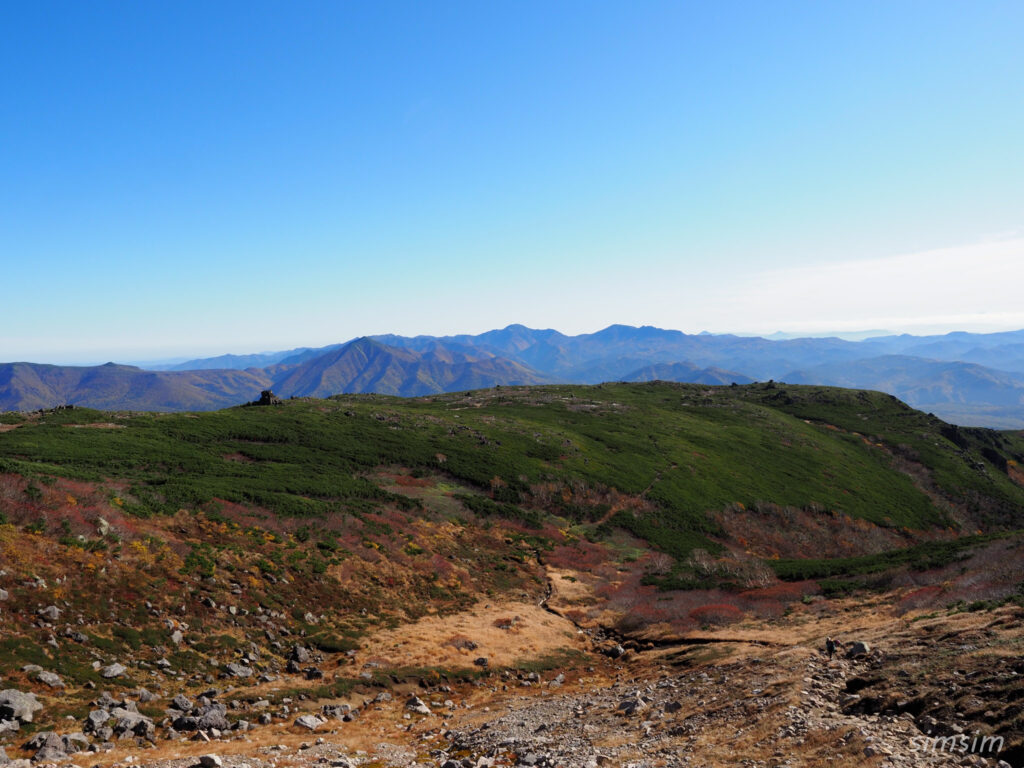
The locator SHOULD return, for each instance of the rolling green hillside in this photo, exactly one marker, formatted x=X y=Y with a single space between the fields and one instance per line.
x=669 y=506
x=555 y=452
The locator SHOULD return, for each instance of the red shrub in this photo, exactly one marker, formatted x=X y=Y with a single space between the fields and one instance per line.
x=716 y=613
x=920 y=598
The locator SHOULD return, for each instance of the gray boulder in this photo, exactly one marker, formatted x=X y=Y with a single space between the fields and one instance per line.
x=186 y=723
x=114 y=670
x=632 y=705
x=614 y=651
x=50 y=613
x=238 y=670
x=95 y=720
x=9 y=726
x=213 y=716
x=75 y=742
x=52 y=679
x=312 y=722
x=48 y=747
x=337 y=711
x=128 y=723
x=146 y=696
x=857 y=648
x=415 y=704
x=15 y=705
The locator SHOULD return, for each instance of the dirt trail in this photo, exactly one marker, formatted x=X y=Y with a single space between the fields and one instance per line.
x=719 y=704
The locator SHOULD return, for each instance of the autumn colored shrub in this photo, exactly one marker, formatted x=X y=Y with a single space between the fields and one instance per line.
x=919 y=598
x=716 y=614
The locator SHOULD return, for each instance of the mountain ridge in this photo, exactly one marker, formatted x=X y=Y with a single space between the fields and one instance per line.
x=986 y=388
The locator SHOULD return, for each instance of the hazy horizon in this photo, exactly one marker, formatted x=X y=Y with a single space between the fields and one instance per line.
x=199 y=352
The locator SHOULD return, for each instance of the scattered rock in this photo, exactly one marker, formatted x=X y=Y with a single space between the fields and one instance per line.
x=9 y=726
x=113 y=670
x=75 y=742
x=15 y=705
x=613 y=651
x=50 y=613
x=50 y=679
x=146 y=696
x=632 y=705
x=267 y=397
x=312 y=722
x=238 y=670
x=857 y=648
x=96 y=720
x=415 y=704
x=128 y=723
x=48 y=747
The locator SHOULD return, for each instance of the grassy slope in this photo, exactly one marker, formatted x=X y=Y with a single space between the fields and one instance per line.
x=287 y=511
x=687 y=448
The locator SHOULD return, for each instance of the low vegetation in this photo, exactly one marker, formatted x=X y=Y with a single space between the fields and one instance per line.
x=321 y=521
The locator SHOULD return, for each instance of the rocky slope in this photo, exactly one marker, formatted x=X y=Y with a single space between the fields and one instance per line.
x=902 y=691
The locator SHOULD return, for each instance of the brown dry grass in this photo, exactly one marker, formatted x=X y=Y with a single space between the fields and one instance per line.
x=425 y=643
x=568 y=590
x=779 y=671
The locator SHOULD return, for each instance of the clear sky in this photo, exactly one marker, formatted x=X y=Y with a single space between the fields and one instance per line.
x=186 y=178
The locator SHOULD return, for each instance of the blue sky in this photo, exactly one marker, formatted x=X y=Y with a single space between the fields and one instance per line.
x=195 y=178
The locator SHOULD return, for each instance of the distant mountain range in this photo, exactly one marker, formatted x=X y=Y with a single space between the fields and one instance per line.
x=967 y=378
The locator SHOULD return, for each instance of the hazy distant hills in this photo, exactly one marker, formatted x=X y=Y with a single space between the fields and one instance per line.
x=919 y=382
x=367 y=365
x=959 y=392
x=28 y=386
x=241 y=362
x=363 y=365
x=975 y=379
